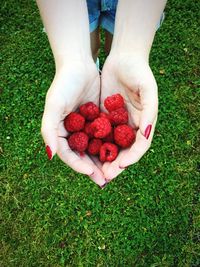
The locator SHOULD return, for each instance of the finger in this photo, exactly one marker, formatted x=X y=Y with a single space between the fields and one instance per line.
x=62 y=132
x=138 y=149
x=97 y=176
x=134 y=116
x=72 y=159
x=112 y=170
x=149 y=102
x=97 y=162
x=50 y=121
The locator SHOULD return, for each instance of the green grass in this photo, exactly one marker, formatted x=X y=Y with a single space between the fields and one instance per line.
x=52 y=216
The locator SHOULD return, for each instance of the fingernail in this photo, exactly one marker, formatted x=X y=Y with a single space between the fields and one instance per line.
x=82 y=154
x=103 y=186
x=122 y=168
x=147 y=131
x=49 y=152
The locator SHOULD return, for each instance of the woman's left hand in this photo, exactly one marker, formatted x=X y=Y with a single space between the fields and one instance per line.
x=131 y=76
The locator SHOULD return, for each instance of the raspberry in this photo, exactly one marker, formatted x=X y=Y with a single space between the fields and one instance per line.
x=124 y=135
x=94 y=146
x=118 y=116
x=109 y=138
x=107 y=131
x=101 y=127
x=78 y=141
x=104 y=115
x=108 y=152
x=114 y=102
x=74 y=122
x=89 y=130
x=89 y=110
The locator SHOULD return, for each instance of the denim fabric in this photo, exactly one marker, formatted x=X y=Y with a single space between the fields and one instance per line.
x=102 y=13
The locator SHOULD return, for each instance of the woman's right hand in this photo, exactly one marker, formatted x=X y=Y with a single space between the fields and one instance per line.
x=74 y=84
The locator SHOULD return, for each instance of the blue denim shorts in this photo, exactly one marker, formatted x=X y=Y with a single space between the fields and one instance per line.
x=102 y=13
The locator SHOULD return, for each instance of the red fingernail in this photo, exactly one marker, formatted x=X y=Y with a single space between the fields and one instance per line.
x=147 y=131
x=49 y=152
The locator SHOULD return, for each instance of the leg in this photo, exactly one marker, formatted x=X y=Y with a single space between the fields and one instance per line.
x=95 y=43
x=108 y=42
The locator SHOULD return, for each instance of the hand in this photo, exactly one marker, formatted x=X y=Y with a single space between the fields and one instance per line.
x=74 y=84
x=132 y=77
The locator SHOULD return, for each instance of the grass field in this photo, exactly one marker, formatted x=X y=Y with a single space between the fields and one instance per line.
x=52 y=216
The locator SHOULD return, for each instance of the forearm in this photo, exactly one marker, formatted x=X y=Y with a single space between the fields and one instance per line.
x=135 y=25
x=67 y=26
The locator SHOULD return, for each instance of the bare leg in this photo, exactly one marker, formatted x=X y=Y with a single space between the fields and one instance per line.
x=95 y=43
x=108 y=42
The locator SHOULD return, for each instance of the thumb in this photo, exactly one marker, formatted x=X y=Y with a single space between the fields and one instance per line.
x=149 y=102
x=49 y=129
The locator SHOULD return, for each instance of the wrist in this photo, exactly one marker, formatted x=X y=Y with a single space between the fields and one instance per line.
x=68 y=36
x=126 y=43
x=69 y=60
x=126 y=55
x=135 y=26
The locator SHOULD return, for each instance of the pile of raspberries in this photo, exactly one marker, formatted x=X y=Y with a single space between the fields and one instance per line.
x=99 y=133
